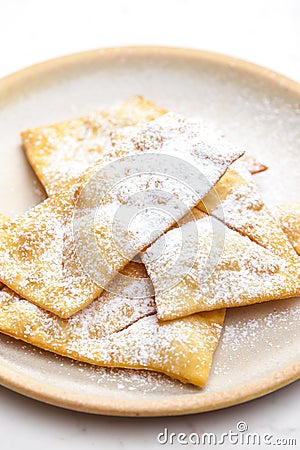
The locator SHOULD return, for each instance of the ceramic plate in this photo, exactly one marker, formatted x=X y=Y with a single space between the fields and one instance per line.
x=258 y=110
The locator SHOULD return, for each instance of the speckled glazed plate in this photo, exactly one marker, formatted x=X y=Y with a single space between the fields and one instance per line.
x=257 y=109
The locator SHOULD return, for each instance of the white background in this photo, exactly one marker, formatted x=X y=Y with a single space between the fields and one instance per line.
x=263 y=31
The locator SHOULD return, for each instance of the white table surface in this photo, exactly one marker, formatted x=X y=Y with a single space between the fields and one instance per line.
x=263 y=31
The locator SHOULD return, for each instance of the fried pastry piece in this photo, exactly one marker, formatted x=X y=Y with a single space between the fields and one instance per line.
x=289 y=219
x=38 y=259
x=61 y=153
x=204 y=265
x=236 y=201
x=119 y=331
x=253 y=165
x=44 y=260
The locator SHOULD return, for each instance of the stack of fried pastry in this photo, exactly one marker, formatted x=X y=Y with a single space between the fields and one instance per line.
x=46 y=297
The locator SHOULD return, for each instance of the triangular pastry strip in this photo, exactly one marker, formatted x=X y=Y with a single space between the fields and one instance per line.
x=236 y=201
x=60 y=153
x=38 y=254
x=38 y=259
x=289 y=219
x=174 y=137
x=228 y=270
x=118 y=331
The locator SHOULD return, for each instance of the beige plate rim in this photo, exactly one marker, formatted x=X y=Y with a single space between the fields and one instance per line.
x=177 y=405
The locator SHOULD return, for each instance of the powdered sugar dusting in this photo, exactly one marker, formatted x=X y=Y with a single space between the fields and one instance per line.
x=117 y=331
x=230 y=270
x=38 y=258
x=237 y=202
x=257 y=333
x=60 y=153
